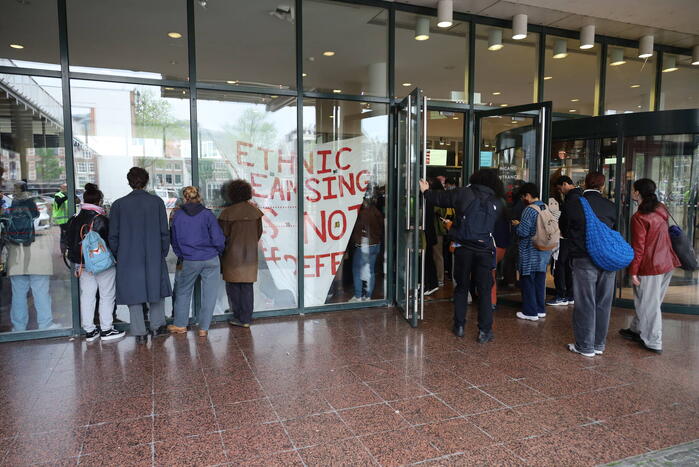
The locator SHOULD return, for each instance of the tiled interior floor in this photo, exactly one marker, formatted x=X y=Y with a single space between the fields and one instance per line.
x=350 y=388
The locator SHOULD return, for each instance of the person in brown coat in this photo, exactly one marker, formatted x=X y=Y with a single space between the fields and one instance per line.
x=241 y=223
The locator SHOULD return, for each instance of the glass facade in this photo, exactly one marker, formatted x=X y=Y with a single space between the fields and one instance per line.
x=207 y=98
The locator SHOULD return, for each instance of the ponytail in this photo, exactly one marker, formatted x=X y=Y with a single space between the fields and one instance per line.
x=649 y=200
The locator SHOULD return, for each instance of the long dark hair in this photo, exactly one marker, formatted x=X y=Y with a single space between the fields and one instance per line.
x=488 y=177
x=649 y=200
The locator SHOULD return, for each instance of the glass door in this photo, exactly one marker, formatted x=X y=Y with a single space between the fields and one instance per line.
x=515 y=140
x=410 y=150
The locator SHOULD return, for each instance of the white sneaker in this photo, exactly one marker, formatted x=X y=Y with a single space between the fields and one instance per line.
x=354 y=300
x=599 y=352
x=521 y=315
x=431 y=291
x=572 y=348
x=366 y=299
x=542 y=315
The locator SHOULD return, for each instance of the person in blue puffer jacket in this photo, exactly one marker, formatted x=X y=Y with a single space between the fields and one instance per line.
x=197 y=240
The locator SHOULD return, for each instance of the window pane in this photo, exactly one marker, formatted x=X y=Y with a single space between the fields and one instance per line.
x=29 y=34
x=345 y=48
x=573 y=73
x=35 y=291
x=445 y=142
x=253 y=137
x=680 y=86
x=438 y=65
x=118 y=126
x=145 y=39
x=345 y=161
x=630 y=81
x=505 y=76
x=223 y=27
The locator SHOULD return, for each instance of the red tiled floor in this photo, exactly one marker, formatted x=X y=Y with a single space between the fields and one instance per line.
x=354 y=388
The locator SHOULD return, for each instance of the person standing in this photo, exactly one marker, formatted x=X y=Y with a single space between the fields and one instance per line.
x=92 y=216
x=241 y=223
x=140 y=240
x=562 y=272
x=594 y=287
x=59 y=213
x=197 y=240
x=532 y=261
x=476 y=209
x=652 y=265
x=367 y=237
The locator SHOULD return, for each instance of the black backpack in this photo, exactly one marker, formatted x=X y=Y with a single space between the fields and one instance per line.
x=474 y=227
x=18 y=223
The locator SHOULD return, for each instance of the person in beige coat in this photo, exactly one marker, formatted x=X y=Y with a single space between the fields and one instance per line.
x=241 y=223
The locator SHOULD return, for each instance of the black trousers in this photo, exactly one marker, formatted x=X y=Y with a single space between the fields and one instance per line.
x=477 y=266
x=430 y=280
x=562 y=271
x=240 y=300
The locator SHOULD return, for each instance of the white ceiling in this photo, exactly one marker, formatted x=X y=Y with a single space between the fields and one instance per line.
x=673 y=22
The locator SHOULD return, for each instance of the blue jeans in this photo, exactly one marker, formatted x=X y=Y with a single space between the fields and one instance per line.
x=363 y=265
x=210 y=272
x=19 y=314
x=533 y=293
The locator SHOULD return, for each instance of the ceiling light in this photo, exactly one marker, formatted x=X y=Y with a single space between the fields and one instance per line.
x=337 y=91
x=575 y=100
x=232 y=82
x=422 y=29
x=560 y=48
x=695 y=55
x=304 y=74
x=455 y=117
x=587 y=36
x=331 y=116
x=546 y=78
x=495 y=39
x=497 y=93
x=445 y=11
x=669 y=63
x=635 y=86
x=328 y=53
x=17 y=46
x=616 y=57
x=645 y=47
x=519 y=26
x=407 y=84
x=572 y=111
x=174 y=35
x=639 y=106
x=503 y=105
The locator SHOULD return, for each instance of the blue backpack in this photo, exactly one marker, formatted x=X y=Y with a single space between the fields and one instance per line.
x=606 y=247
x=96 y=256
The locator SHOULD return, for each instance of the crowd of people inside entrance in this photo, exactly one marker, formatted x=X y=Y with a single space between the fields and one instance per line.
x=575 y=233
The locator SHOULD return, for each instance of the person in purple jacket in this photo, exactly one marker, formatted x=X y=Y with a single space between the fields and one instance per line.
x=197 y=240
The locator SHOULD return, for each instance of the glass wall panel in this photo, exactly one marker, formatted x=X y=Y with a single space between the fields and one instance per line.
x=222 y=29
x=572 y=158
x=345 y=171
x=117 y=126
x=680 y=84
x=445 y=144
x=630 y=81
x=34 y=282
x=29 y=34
x=505 y=68
x=671 y=161
x=573 y=73
x=345 y=48
x=253 y=137
x=436 y=62
x=145 y=39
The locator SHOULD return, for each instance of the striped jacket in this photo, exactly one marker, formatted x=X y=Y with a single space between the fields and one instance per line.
x=531 y=259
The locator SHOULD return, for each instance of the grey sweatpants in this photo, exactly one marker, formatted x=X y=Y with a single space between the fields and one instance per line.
x=647 y=299
x=156 y=310
x=593 y=289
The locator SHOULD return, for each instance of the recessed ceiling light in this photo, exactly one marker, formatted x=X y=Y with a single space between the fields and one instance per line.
x=575 y=100
x=455 y=117
x=17 y=46
x=572 y=110
x=331 y=116
x=174 y=35
x=232 y=82
x=304 y=74
x=337 y=91
x=328 y=53
x=635 y=86
x=503 y=105
x=639 y=106
x=546 y=78
x=407 y=84
x=497 y=93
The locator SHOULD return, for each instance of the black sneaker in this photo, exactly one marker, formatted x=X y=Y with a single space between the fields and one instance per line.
x=630 y=335
x=92 y=335
x=111 y=334
x=484 y=337
x=160 y=332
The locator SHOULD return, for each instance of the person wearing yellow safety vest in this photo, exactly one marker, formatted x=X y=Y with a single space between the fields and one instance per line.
x=59 y=213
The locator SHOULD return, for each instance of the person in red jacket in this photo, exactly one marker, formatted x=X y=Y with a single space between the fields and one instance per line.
x=652 y=265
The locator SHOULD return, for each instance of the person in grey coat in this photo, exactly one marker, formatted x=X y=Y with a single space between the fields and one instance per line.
x=140 y=240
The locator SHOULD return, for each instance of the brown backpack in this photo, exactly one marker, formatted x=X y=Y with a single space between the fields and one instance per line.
x=547 y=234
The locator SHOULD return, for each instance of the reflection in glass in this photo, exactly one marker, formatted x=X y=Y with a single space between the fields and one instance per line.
x=445 y=145
x=253 y=137
x=29 y=34
x=345 y=172
x=118 y=126
x=680 y=88
x=630 y=81
x=571 y=158
x=35 y=284
x=573 y=74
